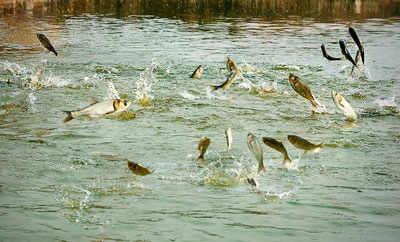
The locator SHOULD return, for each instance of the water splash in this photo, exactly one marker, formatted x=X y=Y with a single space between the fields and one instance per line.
x=32 y=100
x=112 y=92
x=143 y=85
x=187 y=95
x=210 y=94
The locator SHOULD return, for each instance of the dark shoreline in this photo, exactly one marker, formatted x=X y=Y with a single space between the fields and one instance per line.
x=203 y=11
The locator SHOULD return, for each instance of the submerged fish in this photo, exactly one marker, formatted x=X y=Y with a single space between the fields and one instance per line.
x=197 y=73
x=203 y=146
x=302 y=89
x=345 y=52
x=99 y=109
x=231 y=66
x=46 y=43
x=252 y=181
x=344 y=106
x=138 y=169
x=228 y=135
x=357 y=40
x=227 y=83
x=278 y=146
x=303 y=144
x=255 y=147
x=325 y=54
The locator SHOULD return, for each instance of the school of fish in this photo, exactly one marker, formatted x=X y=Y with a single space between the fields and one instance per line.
x=103 y=108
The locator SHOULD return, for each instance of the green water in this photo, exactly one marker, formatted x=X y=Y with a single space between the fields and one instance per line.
x=71 y=181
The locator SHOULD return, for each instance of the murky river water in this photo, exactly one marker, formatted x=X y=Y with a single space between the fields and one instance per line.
x=71 y=181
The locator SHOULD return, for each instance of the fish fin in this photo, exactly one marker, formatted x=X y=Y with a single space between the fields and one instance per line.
x=102 y=116
x=319 y=147
x=93 y=101
x=286 y=159
x=305 y=152
x=69 y=116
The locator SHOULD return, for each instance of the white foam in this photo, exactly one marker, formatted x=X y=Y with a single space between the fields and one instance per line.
x=187 y=95
x=112 y=92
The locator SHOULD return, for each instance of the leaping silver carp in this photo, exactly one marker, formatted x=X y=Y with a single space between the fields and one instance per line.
x=344 y=106
x=202 y=147
x=303 y=90
x=46 y=43
x=278 y=146
x=231 y=66
x=226 y=84
x=345 y=52
x=303 y=144
x=99 y=109
x=228 y=135
x=197 y=73
x=325 y=54
x=255 y=147
x=357 y=40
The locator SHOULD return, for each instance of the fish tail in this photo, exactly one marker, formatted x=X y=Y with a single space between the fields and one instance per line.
x=261 y=168
x=319 y=147
x=201 y=158
x=286 y=159
x=69 y=116
x=214 y=88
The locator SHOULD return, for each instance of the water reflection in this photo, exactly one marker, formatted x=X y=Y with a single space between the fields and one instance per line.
x=208 y=10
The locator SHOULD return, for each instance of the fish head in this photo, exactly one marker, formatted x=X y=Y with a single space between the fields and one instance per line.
x=293 y=79
x=336 y=96
x=292 y=139
x=121 y=104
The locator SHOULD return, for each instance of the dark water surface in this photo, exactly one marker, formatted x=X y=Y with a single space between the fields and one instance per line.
x=71 y=181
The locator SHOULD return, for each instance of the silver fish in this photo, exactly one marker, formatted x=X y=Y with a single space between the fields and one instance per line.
x=197 y=73
x=202 y=147
x=303 y=144
x=231 y=66
x=344 y=106
x=99 y=109
x=278 y=146
x=252 y=181
x=226 y=84
x=255 y=147
x=325 y=54
x=228 y=135
x=302 y=89
x=46 y=43
x=345 y=52
x=357 y=40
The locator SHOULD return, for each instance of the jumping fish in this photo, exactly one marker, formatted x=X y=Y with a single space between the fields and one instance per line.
x=231 y=66
x=252 y=181
x=303 y=144
x=202 y=147
x=325 y=54
x=357 y=40
x=227 y=83
x=345 y=52
x=228 y=135
x=302 y=89
x=357 y=60
x=138 y=169
x=278 y=146
x=46 y=43
x=255 y=147
x=99 y=109
x=197 y=73
x=344 y=106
